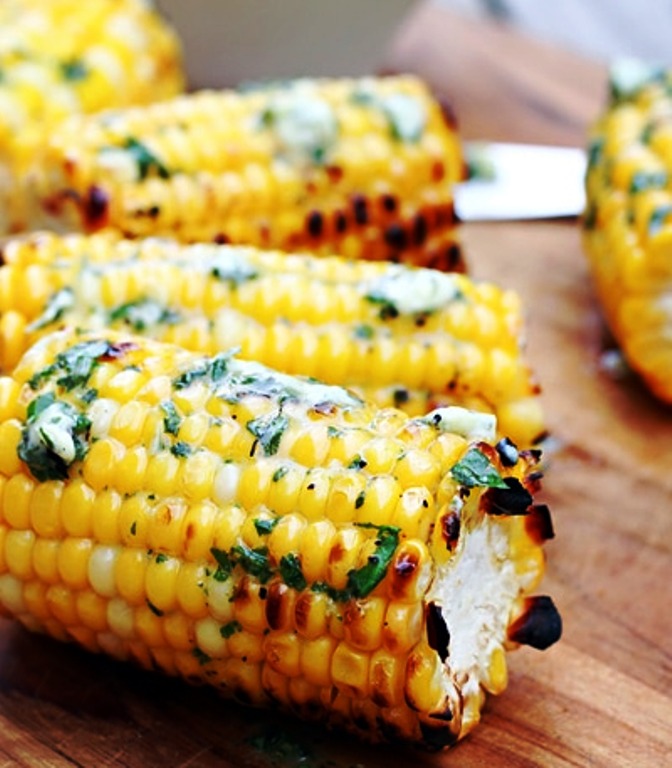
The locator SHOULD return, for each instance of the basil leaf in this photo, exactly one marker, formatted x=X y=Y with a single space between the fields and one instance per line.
x=475 y=470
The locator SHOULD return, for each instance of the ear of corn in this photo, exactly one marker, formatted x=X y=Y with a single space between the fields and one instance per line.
x=413 y=338
x=63 y=57
x=628 y=221
x=274 y=537
x=363 y=168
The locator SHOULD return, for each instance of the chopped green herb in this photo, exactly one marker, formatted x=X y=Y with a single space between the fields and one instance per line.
x=172 y=419
x=181 y=449
x=213 y=370
x=234 y=274
x=264 y=526
x=54 y=436
x=364 y=580
x=254 y=561
x=58 y=303
x=201 y=656
x=161 y=558
x=230 y=629
x=74 y=70
x=279 y=473
x=134 y=528
x=388 y=310
x=290 y=570
x=361 y=498
x=358 y=463
x=363 y=331
x=644 y=180
x=143 y=314
x=146 y=161
x=79 y=361
x=88 y=396
x=475 y=470
x=224 y=564
x=269 y=430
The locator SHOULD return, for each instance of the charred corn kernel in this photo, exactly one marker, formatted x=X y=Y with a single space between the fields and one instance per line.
x=108 y=54
x=377 y=591
x=282 y=309
x=627 y=226
x=286 y=166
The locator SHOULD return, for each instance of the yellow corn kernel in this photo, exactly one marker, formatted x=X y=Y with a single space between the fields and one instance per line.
x=160 y=582
x=18 y=553
x=311 y=614
x=45 y=514
x=316 y=659
x=16 y=499
x=403 y=626
x=283 y=653
x=350 y=670
x=190 y=590
x=363 y=623
x=101 y=568
x=77 y=504
x=45 y=560
x=73 y=562
x=130 y=575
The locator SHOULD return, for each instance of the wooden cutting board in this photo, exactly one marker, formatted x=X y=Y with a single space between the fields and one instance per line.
x=600 y=697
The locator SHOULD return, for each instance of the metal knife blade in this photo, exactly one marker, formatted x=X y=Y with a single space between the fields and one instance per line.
x=521 y=181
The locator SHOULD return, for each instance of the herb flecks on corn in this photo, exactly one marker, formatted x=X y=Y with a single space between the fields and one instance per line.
x=272 y=536
x=628 y=220
x=408 y=337
x=364 y=168
x=64 y=57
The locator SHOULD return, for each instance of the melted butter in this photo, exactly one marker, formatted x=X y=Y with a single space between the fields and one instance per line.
x=413 y=291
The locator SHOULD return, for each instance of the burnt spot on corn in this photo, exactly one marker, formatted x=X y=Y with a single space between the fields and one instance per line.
x=315 y=224
x=395 y=236
x=438 y=172
x=360 y=209
x=95 y=207
x=438 y=634
x=508 y=452
x=388 y=203
x=419 y=234
x=450 y=529
x=515 y=499
x=435 y=737
x=340 y=222
x=221 y=239
x=540 y=624
x=539 y=524
x=335 y=173
x=278 y=605
x=302 y=609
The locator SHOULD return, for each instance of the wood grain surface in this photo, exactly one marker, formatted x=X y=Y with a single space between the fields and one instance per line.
x=601 y=696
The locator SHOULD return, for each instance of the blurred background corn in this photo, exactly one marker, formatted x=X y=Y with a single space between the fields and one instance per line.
x=364 y=168
x=64 y=57
x=271 y=536
x=408 y=337
x=628 y=220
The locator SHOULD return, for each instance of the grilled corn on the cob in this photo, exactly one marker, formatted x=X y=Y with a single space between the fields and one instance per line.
x=363 y=168
x=409 y=337
x=270 y=535
x=63 y=57
x=628 y=222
